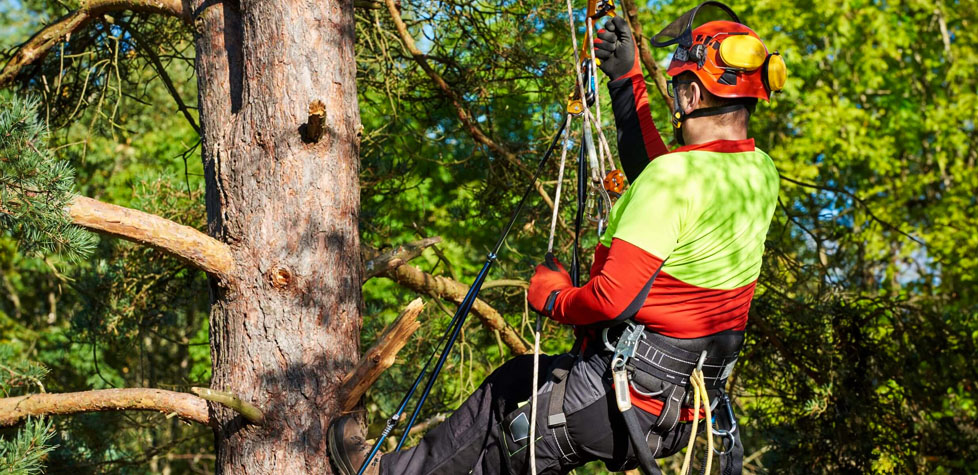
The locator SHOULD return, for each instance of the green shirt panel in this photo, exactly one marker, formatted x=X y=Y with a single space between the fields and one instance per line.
x=706 y=213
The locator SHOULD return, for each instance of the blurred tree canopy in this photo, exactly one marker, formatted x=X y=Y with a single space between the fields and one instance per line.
x=864 y=329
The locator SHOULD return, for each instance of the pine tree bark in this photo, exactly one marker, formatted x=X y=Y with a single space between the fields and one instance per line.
x=285 y=323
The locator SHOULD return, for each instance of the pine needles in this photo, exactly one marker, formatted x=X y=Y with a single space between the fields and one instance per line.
x=35 y=186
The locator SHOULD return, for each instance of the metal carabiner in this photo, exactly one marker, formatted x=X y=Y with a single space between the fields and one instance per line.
x=728 y=433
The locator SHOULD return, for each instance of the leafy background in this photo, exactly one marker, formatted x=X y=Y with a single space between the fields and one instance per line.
x=862 y=334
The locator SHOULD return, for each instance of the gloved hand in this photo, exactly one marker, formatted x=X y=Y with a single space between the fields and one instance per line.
x=615 y=48
x=548 y=280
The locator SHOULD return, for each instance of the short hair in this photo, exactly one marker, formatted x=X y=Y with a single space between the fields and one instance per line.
x=712 y=100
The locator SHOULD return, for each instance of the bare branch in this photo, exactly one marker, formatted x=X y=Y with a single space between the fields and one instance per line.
x=154 y=59
x=377 y=263
x=195 y=247
x=186 y=406
x=463 y=114
x=41 y=43
x=379 y=357
x=631 y=11
x=506 y=283
x=858 y=200
x=453 y=291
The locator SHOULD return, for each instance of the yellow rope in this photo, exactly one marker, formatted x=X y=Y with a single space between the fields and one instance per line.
x=699 y=395
x=696 y=421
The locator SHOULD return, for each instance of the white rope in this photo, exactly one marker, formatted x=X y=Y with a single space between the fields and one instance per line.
x=533 y=406
x=536 y=334
x=560 y=181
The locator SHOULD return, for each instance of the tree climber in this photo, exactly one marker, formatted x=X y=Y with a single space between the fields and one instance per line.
x=670 y=288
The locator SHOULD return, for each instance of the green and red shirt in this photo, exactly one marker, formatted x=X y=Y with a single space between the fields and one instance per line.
x=682 y=251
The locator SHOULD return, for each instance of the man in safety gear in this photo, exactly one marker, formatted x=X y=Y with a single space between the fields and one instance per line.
x=670 y=285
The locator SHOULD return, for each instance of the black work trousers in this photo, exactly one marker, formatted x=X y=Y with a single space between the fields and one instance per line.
x=483 y=435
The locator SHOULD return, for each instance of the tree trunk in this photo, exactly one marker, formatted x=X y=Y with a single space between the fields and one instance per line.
x=285 y=323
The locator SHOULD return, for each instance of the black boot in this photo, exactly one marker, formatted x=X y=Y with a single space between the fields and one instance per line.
x=347 y=448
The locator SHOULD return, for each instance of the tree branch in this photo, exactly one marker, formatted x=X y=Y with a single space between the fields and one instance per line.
x=246 y=409
x=154 y=59
x=197 y=248
x=379 y=357
x=858 y=200
x=631 y=11
x=378 y=263
x=38 y=45
x=463 y=114
x=453 y=291
x=186 y=406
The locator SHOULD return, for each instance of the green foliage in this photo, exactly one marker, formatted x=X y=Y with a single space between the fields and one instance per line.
x=25 y=454
x=36 y=187
x=865 y=320
x=18 y=374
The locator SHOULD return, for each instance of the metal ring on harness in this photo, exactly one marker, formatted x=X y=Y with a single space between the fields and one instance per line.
x=726 y=433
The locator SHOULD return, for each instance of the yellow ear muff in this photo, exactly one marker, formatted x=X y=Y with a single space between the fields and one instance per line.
x=743 y=52
x=775 y=72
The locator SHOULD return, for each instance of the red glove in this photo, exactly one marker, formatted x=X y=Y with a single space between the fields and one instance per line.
x=548 y=280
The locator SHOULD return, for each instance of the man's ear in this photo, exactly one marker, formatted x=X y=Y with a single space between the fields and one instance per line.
x=695 y=97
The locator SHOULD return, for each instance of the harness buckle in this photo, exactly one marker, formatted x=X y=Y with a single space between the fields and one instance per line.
x=623 y=350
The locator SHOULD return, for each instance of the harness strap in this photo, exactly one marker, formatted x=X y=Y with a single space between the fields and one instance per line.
x=674 y=365
x=669 y=417
x=645 y=455
x=556 y=419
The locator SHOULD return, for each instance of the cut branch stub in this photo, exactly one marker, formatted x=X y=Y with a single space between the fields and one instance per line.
x=379 y=357
x=246 y=409
x=315 y=125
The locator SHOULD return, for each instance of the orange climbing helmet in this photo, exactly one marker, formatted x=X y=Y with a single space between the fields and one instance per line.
x=728 y=57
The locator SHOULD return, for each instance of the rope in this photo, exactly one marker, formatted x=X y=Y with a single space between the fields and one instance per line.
x=699 y=394
x=560 y=181
x=603 y=156
x=533 y=405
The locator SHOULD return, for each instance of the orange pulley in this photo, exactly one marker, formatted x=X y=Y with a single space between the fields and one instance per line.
x=614 y=183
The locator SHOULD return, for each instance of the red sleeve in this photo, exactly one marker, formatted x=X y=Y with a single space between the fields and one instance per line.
x=639 y=141
x=616 y=292
x=600 y=256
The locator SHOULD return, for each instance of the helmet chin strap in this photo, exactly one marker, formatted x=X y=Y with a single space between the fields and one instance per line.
x=679 y=116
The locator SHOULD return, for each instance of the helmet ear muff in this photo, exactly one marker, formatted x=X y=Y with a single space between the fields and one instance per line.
x=743 y=52
x=774 y=73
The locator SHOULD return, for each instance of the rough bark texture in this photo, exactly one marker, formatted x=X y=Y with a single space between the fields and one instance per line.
x=185 y=406
x=381 y=356
x=199 y=249
x=285 y=325
x=42 y=42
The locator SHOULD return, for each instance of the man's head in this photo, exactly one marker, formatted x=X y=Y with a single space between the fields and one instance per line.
x=689 y=95
x=719 y=70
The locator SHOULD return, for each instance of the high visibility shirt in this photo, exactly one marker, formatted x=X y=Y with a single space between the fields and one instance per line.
x=683 y=247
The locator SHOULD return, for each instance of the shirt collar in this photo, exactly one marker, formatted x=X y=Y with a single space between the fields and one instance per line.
x=722 y=146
